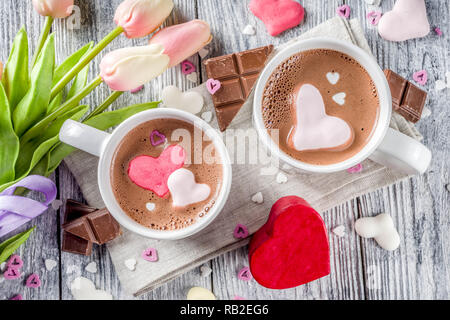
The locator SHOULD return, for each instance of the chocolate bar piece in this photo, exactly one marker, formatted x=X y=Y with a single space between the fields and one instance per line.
x=407 y=99
x=74 y=244
x=237 y=74
x=75 y=210
x=81 y=228
x=103 y=226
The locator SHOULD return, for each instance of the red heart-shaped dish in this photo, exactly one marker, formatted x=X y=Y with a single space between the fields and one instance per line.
x=291 y=249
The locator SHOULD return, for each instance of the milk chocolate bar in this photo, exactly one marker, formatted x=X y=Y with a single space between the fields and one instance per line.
x=407 y=99
x=237 y=74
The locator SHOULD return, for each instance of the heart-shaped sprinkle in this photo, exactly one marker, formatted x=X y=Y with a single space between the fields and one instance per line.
x=339 y=231
x=150 y=254
x=91 y=267
x=136 y=90
x=240 y=232
x=17 y=297
x=190 y=101
x=15 y=262
x=438 y=31
x=249 y=30
x=440 y=85
x=192 y=77
x=184 y=190
x=130 y=264
x=203 y=53
x=157 y=138
x=152 y=173
x=333 y=77
x=205 y=271
x=343 y=11
x=314 y=129
x=244 y=274
x=33 y=281
x=12 y=274
x=213 y=85
x=426 y=112
x=187 y=67
x=407 y=20
x=258 y=198
x=281 y=178
x=207 y=116
x=374 y=17
x=50 y=264
x=56 y=204
x=278 y=15
x=421 y=77
x=356 y=169
x=339 y=98
x=150 y=206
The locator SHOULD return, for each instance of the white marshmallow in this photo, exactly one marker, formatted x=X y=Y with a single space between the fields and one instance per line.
x=381 y=228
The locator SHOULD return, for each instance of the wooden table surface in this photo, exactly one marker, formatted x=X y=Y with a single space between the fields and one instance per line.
x=360 y=269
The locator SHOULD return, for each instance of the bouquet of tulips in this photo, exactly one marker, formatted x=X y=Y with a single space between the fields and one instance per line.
x=37 y=97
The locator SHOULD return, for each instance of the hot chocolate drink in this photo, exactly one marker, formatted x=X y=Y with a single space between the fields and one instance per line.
x=161 y=180
x=324 y=104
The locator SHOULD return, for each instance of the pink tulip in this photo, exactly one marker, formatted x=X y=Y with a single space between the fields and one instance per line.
x=53 y=8
x=128 y=68
x=183 y=40
x=141 y=17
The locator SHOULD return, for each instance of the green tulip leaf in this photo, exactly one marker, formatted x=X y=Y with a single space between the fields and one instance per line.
x=10 y=245
x=80 y=80
x=70 y=62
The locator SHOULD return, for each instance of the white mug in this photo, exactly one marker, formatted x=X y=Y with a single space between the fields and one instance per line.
x=103 y=145
x=386 y=146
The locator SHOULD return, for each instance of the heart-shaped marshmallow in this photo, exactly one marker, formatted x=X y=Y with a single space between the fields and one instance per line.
x=381 y=228
x=152 y=173
x=333 y=77
x=190 y=101
x=278 y=15
x=407 y=20
x=314 y=129
x=84 y=289
x=150 y=254
x=291 y=248
x=185 y=190
x=33 y=281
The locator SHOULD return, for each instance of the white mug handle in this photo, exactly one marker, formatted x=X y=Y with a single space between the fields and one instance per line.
x=401 y=152
x=83 y=137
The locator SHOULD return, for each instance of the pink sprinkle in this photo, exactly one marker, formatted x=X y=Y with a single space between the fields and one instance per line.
x=344 y=11
x=137 y=89
x=157 y=138
x=187 y=67
x=421 y=77
x=438 y=31
x=11 y=274
x=15 y=262
x=240 y=232
x=239 y=298
x=374 y=17
x=356 y=169
x=17 y=297
x=213 y=85
x=33 y=281
x=150 y=254
x=245 y=274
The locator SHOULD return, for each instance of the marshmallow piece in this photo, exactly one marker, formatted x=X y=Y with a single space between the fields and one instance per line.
x=191 y=101
x=84 y=289
x=185 y=190
x=199 y=293
x=381 y=228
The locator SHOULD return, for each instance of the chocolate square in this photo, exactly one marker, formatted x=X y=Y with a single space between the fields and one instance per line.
x=80 y=228
x=77 y=245
x=103 y=225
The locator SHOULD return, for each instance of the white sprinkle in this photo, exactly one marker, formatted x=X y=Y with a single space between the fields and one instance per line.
x=333 y=77
x=130 y=264
x=339 y=231
x=258 y=198
x=56 y=204
x=50 y=264
x=205 y=271
x=207 y=116
x=339 y=98
x=203 y=53
x=91 y=267
x=249 y=30
x=281 y=178
x=150 y=206
x=192 y=77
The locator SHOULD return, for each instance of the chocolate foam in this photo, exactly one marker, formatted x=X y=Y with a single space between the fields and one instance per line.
x=360 y=110
x=133 y=199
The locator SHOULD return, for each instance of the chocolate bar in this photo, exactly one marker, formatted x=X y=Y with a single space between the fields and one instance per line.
x=407 y=99
x=84 y=225
x=237 y=74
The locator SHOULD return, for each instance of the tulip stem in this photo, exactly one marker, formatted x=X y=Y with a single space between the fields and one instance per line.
x=112 y=97
x=42 y=38
x=40 y=127
x=85 y=60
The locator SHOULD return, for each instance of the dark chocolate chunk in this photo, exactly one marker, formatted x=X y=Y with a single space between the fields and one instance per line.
x=74 y=244
x=103 y=225
x=237 y=74
x=75 y=210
